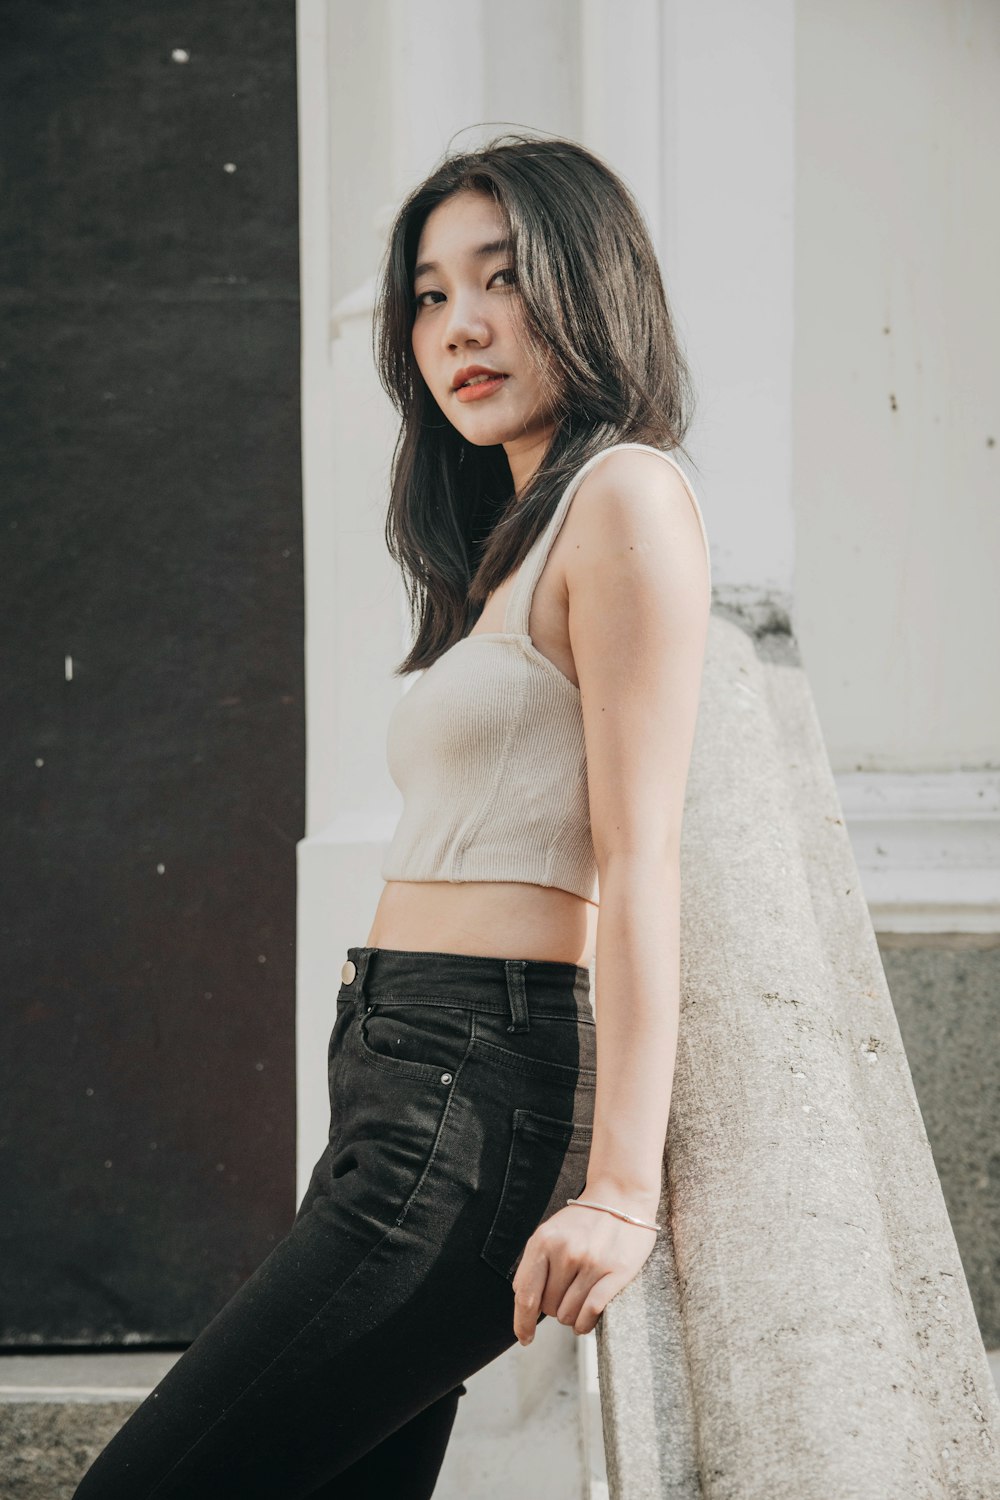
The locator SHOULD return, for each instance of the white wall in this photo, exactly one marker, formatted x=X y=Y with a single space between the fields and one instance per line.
x=897 y=381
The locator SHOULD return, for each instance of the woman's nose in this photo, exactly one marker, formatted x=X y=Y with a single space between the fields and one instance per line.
x=466 y=322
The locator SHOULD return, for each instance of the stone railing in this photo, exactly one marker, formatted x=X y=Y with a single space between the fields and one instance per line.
x=804 y=1329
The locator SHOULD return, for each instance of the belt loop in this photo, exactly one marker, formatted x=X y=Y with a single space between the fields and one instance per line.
x=514 y=968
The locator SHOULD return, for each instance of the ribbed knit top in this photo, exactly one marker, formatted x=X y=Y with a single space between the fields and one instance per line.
x=487 y=749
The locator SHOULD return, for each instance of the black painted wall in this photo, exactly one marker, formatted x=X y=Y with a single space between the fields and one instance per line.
x=152 y=749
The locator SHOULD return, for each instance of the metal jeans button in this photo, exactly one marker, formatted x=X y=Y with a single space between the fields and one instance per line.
x=445 y=1077
x=348 y=971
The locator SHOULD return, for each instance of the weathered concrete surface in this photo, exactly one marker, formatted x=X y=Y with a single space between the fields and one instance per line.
x=46 y=1446
x=804 y=1330
x=944 y=989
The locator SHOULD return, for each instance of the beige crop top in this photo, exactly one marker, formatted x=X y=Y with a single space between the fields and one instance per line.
x=487 y=748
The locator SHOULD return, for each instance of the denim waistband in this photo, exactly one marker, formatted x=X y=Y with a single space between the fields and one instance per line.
x=541 y=987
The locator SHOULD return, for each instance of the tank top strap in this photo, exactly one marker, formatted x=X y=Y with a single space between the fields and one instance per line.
x=518 y=610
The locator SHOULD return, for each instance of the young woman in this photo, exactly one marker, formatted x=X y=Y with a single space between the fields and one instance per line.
x=495 y=1148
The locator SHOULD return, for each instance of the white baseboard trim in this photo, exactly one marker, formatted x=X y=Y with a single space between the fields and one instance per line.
x=927 y=846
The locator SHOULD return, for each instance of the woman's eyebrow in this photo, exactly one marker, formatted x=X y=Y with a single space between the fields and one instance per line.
x=480 y=253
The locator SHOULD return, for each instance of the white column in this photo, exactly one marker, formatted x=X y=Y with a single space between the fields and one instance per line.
x=728 y=92
x=435 y=61
x=621 y=97
x=693 y=105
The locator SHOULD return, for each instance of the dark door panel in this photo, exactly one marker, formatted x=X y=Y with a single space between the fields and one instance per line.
x=153 y=741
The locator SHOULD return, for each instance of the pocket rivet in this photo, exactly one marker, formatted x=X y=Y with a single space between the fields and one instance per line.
x=445 y=1077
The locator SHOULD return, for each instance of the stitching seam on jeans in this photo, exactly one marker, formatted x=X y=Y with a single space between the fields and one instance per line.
x=502 y=1008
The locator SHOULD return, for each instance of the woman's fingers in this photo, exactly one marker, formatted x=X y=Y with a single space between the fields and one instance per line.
x=585 y=1300
x=575 y=1295
x=529 y=1284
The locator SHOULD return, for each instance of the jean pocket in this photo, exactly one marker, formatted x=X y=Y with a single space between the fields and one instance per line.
x=422 y=1042
x=546 y=1164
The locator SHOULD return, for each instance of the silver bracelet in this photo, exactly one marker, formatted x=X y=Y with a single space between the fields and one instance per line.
x=619 y=1213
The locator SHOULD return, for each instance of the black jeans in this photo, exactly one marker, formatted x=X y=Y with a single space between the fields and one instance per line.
x=461 y=1110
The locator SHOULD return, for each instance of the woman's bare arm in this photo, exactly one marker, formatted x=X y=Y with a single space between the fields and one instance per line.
x=639 y=601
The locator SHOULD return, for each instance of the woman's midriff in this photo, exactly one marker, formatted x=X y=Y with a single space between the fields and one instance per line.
x=492 y=919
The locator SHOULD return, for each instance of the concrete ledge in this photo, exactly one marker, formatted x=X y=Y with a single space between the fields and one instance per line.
x=518 y=1428
x=927 y=846
x=127 y=1376
x=57 y=1411
x=804 y=1330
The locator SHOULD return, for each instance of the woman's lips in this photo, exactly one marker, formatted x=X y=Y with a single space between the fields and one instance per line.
x=480 y=389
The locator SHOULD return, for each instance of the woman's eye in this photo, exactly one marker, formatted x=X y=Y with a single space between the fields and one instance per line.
x=418 y=300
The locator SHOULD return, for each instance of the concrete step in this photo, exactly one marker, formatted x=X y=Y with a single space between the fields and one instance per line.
x=57 y=1411
x=519 y=1429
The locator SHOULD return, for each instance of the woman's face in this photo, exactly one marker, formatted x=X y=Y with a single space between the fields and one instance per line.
x=467 y=312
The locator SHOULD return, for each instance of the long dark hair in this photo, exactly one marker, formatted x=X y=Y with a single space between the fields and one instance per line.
x=597 y=329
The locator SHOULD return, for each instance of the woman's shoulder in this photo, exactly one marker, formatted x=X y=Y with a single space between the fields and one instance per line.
x=636 y=491
x=634 y=468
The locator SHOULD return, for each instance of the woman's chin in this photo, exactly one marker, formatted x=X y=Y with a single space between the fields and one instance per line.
x=489 y=435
